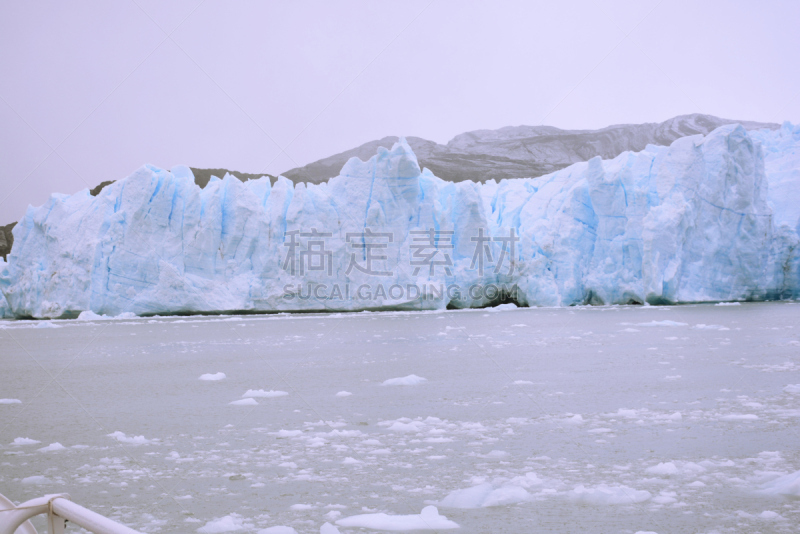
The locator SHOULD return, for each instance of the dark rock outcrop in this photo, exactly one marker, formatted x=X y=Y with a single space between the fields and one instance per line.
x=99 y=187
x=6 y=239
x=524 y=151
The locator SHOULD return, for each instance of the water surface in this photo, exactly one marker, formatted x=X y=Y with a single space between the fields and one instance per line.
x=556 y=411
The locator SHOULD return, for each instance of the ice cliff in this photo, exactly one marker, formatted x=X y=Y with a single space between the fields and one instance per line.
x=712 y=218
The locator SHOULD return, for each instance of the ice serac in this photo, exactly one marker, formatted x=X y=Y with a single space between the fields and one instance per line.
x=712 y=218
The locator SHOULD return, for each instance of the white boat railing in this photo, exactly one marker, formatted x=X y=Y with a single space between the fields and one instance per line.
x=59 y=509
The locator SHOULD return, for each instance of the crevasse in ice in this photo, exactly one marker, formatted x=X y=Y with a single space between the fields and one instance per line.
x=712 y=218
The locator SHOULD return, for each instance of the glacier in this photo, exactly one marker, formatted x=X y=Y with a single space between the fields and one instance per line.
x=706 y=219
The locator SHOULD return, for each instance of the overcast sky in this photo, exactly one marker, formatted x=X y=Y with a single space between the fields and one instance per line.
x=90 y=91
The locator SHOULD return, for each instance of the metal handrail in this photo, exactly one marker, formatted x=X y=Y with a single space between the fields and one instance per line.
x=59 y=509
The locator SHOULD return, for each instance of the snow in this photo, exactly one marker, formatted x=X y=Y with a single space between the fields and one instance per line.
x=212 y=376
x=10 y=401
x=261 y=393
x=428 y=519
x=410 y=380
x=707 y=219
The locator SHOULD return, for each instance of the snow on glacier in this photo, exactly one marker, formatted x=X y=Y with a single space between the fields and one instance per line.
x=712 y=218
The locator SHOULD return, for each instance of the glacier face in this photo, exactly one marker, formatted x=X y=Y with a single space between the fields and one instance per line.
x=710 y=218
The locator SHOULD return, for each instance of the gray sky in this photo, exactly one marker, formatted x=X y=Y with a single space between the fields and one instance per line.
x=90 y=91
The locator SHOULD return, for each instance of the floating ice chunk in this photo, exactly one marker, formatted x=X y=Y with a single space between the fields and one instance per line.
x=665 y=497
x=262 y=393
x=663 y=469
x=522 y=382
x=351 y=461
x=485 y=495
x=626 y=413
x=410 y=380
x=301 y=507
x=249 y=401
x=287 y=433
x=228 y=523
x=89 y=315
x=47 y=324
x=728 y=304
x=473 y=497
x=784 y=485
x=10 y=401
x=428 y=519
x=675 y=468
x=25 y=441
x=280 y=529
x=691 y=468
x=53 y=447
x=769 y=515
x=576 y=419
x=212 y=376
x=503 y=307
x=131 y=440
x=399 y=426
x=36 y=480
x=710 y=327
x=792 y=388
x=661 y=323
x=327 y=528
x=766 y=514
x=603 y=494
x=739 y=417
x=343 y=394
